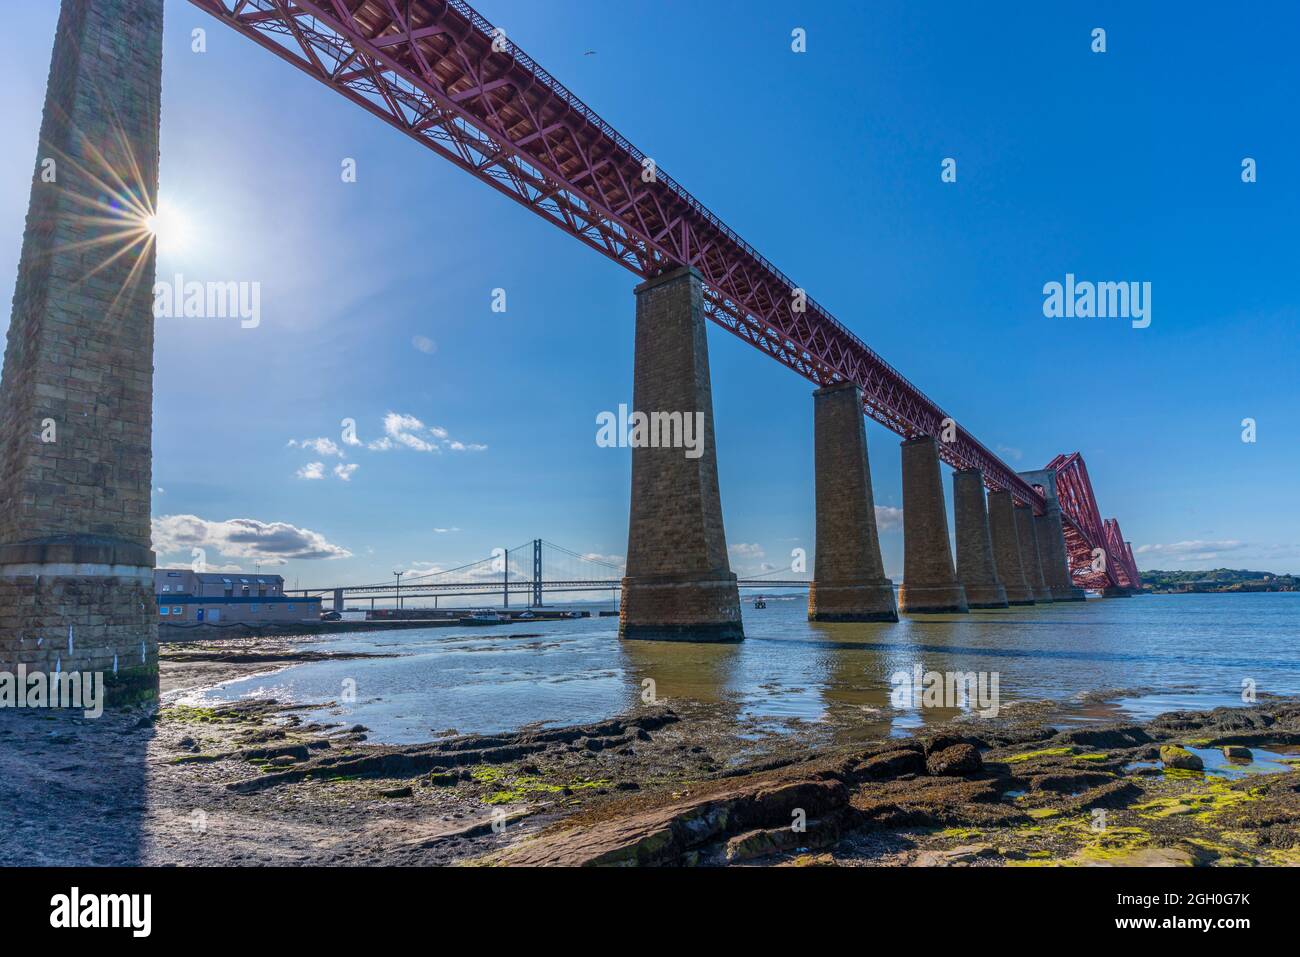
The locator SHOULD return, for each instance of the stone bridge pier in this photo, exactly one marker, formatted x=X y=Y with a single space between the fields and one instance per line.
x=1029 y=555
x=1050 y=534
x=849 y=582
x=1006 y=549
x=679 y=584
x=930 y=584
x=976 y=568
x=76 y=395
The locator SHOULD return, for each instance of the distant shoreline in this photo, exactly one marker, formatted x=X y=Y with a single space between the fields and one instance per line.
x=1216 y=581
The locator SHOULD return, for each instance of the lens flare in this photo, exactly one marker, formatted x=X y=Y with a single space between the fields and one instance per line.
x=170 y=228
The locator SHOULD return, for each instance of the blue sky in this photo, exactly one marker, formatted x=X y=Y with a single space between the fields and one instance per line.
x=376 y=295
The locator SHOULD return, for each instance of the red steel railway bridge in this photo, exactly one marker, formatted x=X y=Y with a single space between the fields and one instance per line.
x=440 y=73
x=75 y=547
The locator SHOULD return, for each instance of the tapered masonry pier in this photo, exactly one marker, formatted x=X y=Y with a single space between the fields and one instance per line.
x=679 y=584
x=1050 y=534
x=76 y=396
x=976 y=568
x=1029 y=556
x=1006 y=549
x=849 y=582
x=930 y=584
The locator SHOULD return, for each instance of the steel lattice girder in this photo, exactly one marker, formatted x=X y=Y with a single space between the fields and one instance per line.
x=1115 y=545
x=442 y=74
x=1085 y=530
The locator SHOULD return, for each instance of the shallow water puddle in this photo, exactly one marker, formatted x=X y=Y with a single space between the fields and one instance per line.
x=1261 y=762
x=1219 y=765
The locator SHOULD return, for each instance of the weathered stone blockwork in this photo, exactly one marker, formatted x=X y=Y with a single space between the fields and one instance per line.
x=1006 y=549
x=74 y=512
x=849 y=582
x=976 y=569
x=679 y=584
x=1056 y=562
x=75 y=623
x=1029 y=555
x=1050 y=536
x=930 y=584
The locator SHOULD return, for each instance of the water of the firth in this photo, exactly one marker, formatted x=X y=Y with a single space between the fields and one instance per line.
x=1099 y=660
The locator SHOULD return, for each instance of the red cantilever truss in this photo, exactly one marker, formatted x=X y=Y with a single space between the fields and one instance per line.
x=443 y=75
x=1099 y=556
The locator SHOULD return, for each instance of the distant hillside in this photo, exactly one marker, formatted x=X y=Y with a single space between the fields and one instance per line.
x=1218 y=580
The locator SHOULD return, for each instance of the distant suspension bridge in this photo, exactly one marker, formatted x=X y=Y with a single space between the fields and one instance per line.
x=528 y=572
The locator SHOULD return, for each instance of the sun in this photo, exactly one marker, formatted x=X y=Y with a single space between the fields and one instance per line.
x=170 y=228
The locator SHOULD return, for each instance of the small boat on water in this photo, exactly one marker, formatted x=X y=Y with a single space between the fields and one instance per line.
x=759 y=602
x=483 y=616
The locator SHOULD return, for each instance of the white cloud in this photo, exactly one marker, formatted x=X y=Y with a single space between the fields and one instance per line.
x=345 y=471
x=242 y=538
x=1011 y=452
x=741 y=550
x=425 y=344
x=206 y=568
x=405 y=430
x=888 y=517
x=1190 y=551
x=444 y=531
x=482 y=572
x=312 y=471
x=321 y=446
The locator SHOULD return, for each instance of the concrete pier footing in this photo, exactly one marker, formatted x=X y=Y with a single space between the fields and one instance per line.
x=976 y=569
x=849 y=582
x=679 y=584
x=1030 y=558
x=930 y=583
x=76 y=395
x=1006 y=549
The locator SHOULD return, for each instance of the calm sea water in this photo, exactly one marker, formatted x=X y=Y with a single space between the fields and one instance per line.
x=1098 y=660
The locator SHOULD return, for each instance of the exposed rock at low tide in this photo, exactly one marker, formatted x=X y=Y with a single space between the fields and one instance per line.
x=293 y=785
x=1174 y=756
x=958 y=759
x=1075 y=797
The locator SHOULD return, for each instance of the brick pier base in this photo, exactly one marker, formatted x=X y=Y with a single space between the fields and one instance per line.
x=679 y=584
x=849 y=582
x=976 y=569
x=930 y=584
x=1006 y=549
x=1029 y=556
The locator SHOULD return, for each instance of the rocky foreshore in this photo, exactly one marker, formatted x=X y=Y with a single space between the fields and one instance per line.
x=259 y=782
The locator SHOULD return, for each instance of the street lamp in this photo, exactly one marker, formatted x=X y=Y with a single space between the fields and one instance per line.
x=399 y=589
